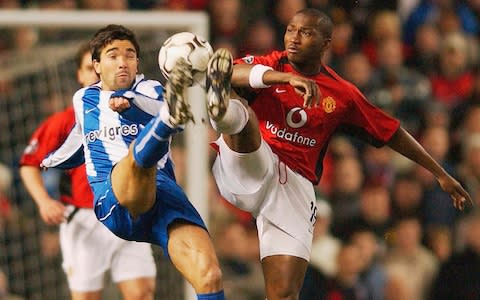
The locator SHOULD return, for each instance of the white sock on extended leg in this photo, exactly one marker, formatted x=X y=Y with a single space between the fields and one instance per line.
x=234 y=120
x=165 y=115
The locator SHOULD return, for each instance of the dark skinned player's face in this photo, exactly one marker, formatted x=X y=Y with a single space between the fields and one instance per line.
x=304 y=42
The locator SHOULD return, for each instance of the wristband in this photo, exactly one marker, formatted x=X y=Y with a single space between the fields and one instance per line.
x=255 y=79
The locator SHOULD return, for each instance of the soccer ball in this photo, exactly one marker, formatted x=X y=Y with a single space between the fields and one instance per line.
x=193 y=48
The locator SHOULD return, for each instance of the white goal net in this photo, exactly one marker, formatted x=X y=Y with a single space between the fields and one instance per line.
x=40 y=81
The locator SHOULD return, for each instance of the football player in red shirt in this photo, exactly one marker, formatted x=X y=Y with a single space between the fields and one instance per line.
x=88 y=248
x=270 y=154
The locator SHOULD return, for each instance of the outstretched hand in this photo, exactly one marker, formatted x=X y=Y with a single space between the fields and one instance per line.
x=456 y=191
x=308 y=89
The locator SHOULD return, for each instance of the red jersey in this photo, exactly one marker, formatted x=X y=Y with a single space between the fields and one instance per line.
x=47 y=138
x=452 y=91
x=300 y=136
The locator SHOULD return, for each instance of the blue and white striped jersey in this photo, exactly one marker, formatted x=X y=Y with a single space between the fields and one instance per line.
x=106 y=134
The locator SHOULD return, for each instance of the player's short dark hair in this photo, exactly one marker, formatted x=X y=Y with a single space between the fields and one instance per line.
x=84 y=49
x=107 y=35
x=325 y=24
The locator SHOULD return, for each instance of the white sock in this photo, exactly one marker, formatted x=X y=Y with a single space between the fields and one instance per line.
x=234 y=120
x=165 y=115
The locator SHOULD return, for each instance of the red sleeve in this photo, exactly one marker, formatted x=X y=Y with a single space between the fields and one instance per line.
x=48 y=137
x=270 y=60
x=369 y=122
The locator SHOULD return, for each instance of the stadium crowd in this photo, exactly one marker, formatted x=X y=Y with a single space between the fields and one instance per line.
x=385 y=229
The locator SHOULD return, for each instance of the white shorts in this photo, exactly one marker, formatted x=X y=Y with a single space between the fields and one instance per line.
x=282 y=201
x=89 y=250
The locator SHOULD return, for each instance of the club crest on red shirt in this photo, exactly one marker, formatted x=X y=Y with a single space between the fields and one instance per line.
x=329 y=104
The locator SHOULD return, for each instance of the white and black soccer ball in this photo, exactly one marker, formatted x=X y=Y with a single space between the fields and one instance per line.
x=193 y=48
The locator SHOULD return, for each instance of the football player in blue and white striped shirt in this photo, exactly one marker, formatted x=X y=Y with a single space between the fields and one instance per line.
x=126 y=123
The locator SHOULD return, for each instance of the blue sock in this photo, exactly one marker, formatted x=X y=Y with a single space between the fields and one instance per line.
x=212 y=296
x=152 y=143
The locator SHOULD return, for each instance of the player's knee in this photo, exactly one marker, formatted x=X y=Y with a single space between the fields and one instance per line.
x=210 y=279
x=283 y=289
x=144 y=290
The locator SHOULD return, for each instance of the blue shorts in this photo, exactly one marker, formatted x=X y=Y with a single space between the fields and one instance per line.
x=152 y=226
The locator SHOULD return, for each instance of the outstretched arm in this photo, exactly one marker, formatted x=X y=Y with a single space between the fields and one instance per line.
x=405 y=144
x=306 y=88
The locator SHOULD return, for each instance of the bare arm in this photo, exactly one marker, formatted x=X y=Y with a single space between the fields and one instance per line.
x=405 y=144
x=306 y=88
x=51 y=211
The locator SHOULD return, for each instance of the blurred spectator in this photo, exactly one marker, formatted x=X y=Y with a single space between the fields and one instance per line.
x=460 y=111
x=347 y=182
x=436 y=114
x=454 y=82
x=341 y=44
x=436 y=141
x=431 y=11
x=397 y=287
x=466 y=123
x=346 y=284
x=357 y=69
x=407 y=194
x=24 y=38
x=374 y=214
x=409 y=259
x=459 y=277
x=260 y=38
x=361 y=13
x=439 y=241
x=471 y=122
x=226 y=20
x=372 y=275
x=282 y=11
x=385 y=25
x=340 y=146
x=379 y=165
x=449 y=22
x=398 y=89
x=425 y=51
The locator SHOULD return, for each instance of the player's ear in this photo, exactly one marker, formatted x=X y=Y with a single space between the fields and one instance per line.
x=326 y=43
x=96 y=66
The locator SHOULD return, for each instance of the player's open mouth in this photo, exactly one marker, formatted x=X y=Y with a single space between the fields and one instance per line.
x=292 y=50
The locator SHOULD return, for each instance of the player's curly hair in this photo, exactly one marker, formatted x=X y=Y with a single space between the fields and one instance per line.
x=107 y=35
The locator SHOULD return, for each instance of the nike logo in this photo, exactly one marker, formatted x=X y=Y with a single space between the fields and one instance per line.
x=279 y=91
x=90 y=110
